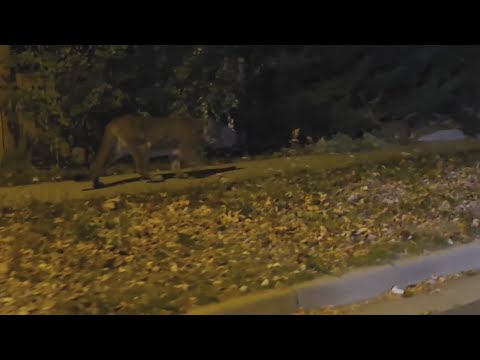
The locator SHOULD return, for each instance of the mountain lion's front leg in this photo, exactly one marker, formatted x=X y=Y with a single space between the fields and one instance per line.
x=176 y=158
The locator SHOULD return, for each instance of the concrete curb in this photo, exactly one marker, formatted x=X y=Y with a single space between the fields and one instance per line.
x=353 y=287
x=458 y=296
x=266 y=303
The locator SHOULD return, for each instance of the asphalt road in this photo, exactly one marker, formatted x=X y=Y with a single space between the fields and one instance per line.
x=470 y=309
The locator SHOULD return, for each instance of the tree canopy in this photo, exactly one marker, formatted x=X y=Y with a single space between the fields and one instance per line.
x=323 y=89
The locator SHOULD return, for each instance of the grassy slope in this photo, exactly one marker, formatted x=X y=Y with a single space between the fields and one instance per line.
x=191 y=242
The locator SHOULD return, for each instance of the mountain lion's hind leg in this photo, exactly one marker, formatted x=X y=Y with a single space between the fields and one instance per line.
x=176 y=157
x=140 y=154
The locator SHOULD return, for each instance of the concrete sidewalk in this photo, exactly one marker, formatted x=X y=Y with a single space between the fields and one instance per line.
x=131 y=183
x=237 y=171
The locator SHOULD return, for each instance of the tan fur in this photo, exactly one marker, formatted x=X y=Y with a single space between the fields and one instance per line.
x=179 y=134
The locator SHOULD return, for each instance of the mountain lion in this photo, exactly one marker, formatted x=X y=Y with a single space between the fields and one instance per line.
x=179 y=136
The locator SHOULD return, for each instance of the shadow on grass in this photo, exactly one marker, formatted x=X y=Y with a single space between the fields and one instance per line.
x=195 y=174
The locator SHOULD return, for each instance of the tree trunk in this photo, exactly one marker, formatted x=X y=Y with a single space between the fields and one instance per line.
x=7 y=141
